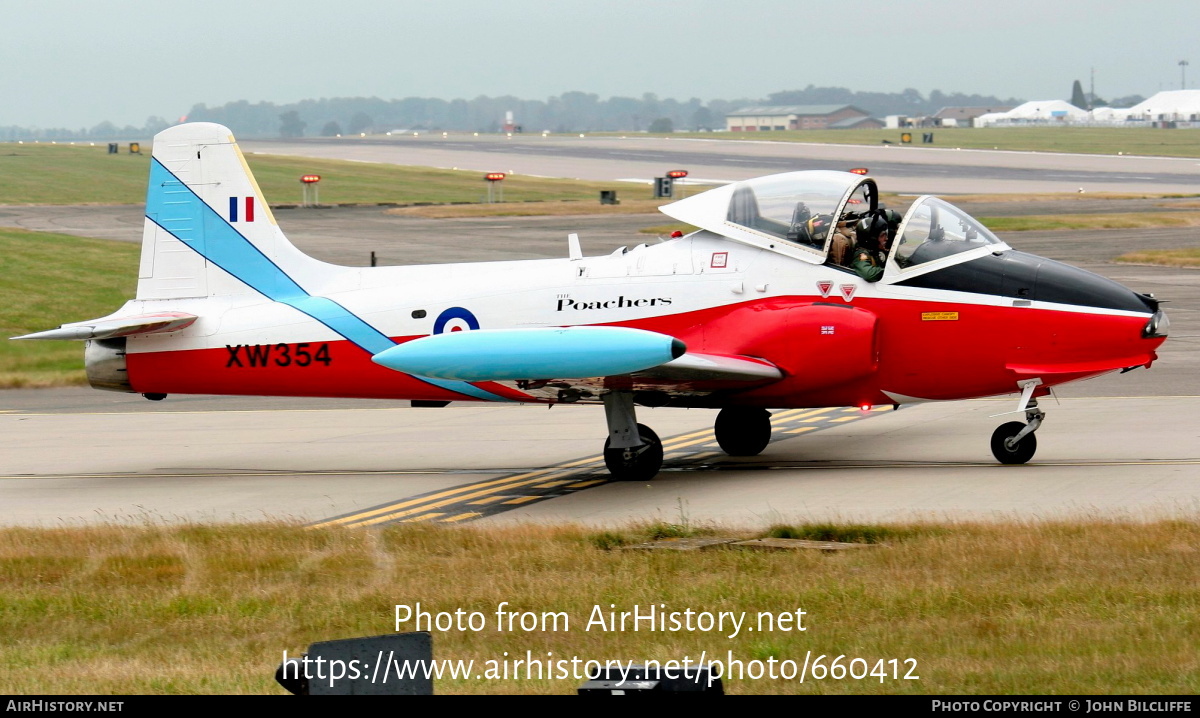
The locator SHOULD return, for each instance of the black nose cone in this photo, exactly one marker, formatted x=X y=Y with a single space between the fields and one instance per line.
x=1027 y=276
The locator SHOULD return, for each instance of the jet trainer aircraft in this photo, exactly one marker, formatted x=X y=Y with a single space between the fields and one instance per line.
x=751 y=312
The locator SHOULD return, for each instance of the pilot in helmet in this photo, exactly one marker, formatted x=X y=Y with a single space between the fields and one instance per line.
x=875 y=233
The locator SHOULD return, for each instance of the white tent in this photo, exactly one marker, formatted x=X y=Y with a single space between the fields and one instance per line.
x=1047 y=110
x=1168 y=105
x=990 y=118
x=1109 y=114
x=1035 y=111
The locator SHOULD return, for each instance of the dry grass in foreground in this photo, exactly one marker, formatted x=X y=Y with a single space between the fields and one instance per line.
x=1099 y=607
x=1185 y=258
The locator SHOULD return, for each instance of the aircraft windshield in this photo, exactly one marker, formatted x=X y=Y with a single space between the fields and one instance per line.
x=800 y=212
x=934 y=229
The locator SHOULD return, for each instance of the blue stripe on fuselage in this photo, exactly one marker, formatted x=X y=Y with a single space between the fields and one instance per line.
x=174 y=207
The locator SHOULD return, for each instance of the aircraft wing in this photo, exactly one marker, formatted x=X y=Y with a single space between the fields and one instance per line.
x=110 y=327
x=692 y=367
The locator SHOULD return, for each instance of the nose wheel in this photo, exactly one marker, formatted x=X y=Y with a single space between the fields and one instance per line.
x=1008 y=449
x=1014 y=442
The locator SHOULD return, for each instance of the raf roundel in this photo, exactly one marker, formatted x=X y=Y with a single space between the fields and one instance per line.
x=455 y=319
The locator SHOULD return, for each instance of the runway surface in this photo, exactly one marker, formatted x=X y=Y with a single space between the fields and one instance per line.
x=1121 y=445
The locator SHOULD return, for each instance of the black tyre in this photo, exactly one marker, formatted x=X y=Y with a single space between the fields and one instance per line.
x=640 y=463
x=1021 y=452
x=743 y=431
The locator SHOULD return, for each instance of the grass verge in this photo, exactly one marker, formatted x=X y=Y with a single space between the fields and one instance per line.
x=50 y=279
x=1185 y=258
x=1114 y=220
x=663 y=230
x=1094 y=607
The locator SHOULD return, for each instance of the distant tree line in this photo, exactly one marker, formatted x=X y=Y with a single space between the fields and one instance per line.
x=106 y=131
x=568 y=112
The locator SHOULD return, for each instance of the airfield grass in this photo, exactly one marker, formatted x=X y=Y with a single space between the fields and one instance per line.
x=47 y=280
x=1104 y=607
x=1183 y=258
x=83 y=174
x=1115 y=220
x=1083 y=140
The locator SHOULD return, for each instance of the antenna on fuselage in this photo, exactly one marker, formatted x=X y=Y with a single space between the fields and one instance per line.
x=573 y=250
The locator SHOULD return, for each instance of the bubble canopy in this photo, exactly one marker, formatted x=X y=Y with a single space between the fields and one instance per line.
x=798 y=213
x=790 y=212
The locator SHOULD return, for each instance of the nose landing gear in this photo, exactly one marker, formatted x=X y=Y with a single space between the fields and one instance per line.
x=1014 y=442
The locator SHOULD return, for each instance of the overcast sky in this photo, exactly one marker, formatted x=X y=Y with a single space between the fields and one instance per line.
x=74 y=63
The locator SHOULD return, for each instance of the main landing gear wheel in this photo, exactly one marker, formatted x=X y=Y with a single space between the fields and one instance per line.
x=743 y=431
x=1008 y=451
x=637 y=463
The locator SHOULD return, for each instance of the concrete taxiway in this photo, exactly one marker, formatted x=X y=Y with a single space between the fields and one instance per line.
x=72 y=456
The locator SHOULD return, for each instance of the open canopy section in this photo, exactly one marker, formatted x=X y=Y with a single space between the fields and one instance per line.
x=791 y=213
x=936 y=234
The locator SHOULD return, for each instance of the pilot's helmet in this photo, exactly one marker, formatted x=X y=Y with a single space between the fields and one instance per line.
x=869 y=227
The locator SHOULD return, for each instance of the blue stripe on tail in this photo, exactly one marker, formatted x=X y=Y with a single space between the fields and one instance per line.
x=174 y=207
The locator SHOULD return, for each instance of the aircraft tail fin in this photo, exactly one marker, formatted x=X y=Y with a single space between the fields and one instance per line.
x=208 y=229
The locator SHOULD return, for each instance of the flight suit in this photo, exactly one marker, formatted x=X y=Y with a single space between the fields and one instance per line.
x=868 y=264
